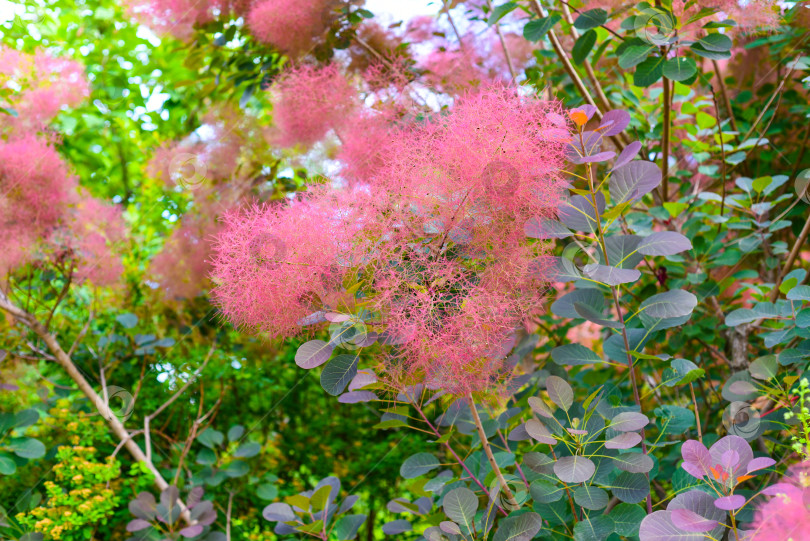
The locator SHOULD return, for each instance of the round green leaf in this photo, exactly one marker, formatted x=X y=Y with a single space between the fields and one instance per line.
x=418 y=464
x=338 y=373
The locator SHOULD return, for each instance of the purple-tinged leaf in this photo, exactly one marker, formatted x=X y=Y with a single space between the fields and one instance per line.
x=694 y=470
x=396 y=527
x=367 y=340
x=633 y=462
x=779 y=489
x=614 y=122
x=760 y=463
x=659 y=527
x=560 y=392
x=735 y=443
x=460 y=505
x=192 y=531
x=730 y=503
x=696 y=454
x=576 y=432
x=401 y=505
x=143 y=506
x=539 y=432
x=578 y=213
x=595 y=158
x=729 y=459
x=424 y=505
x=336 y=318
x=540 y=407
x=629 y=421
x=611 y=276
x=589 y=110
x=518 y=433
x=742 y=387
x=353 y=397
x=313 y=353
x=418 y=464
x=630 y=182
x=623 y=441
x=348 y=503
x=664 y=243
x=9 y=387
x=627 y=155
x=450 y=527
x=673 y=303
x=312 y=319
x=574 y=469
x=364 y=377
x=169 y=496
x=544 y=228
x=278 y=512
x=690 y=521
x=701 y=503
x=138 y=525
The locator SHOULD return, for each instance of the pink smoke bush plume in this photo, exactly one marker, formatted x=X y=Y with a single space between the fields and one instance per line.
x=48 y=84
x=749 y=15
x=35 y=190
x=786 y=515
x=94 y=234
x=179 y=17
x=289 y=25
x=183 y=265
x=310 y=102
x=276 y=264
x=434 y=234
x=210 y=154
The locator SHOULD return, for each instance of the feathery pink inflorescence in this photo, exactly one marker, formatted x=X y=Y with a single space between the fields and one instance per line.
x=183 y=266
x=210 y=154
x=432 y=226
x=35 y=191
x=276 y=264
x=310 y=102
x=94 y=233
x=361 y=159
x=786 y=515
x=179 y=17
x=289 y=25
x=47 y=84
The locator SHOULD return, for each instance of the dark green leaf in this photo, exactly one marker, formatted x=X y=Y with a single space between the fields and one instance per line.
x=583 y=46
x=535 y=30
x=338 y=373
x=591 y=19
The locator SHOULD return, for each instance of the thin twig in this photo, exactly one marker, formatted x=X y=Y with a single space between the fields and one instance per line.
x=724 y=93
x=488 y=451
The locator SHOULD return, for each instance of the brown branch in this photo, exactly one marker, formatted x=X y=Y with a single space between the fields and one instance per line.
x=63 y=360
